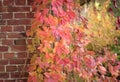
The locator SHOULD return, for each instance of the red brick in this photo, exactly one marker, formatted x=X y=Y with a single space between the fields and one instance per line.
x=6 y=29
x=29 y=15
x=0 y=55
x=19 y=22
x=3 y=48
x=9 y=81
x=6 y=9
x=21 y=9
x=15 y=35
x=22 y=55
x=19 y=74
x=19 y=15
x=20 y=42
x=17 y=61
x=1 y=80
x=11 y=68
x=10 y=9
x=4 y=75
x=2 y=68
x=2 y=9
x=18 y=28
x=30 y=2
x=20 y=2
x=8 y=2
x=7 y=15
x=2 y=22
x=18 y=48
x=3 y=62
x=2 y=35
x=23 y=68
x=21 y=80
x=9 y=55
x=0 y=3
x=7 y=42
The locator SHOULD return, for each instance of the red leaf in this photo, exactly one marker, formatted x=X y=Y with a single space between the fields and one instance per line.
x=102 y=70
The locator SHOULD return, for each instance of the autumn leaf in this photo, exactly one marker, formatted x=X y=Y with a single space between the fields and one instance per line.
x=102 y=70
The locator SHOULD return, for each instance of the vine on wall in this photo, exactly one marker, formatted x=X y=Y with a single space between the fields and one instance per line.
x=60 y=43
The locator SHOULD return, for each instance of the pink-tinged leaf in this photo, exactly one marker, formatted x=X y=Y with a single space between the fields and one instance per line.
x=71 y=15
x=100 y=60
x=92 y=53
x=32 y=78
x=55 y=10
x=57 y=3
x=60 y=49
x=37 y=15
x=51 y=20
x=52 y=77
x=61 y=13
x=64 y=62
x=102 y=70
x=117 y=68
x=45 y=11
x=41 y=16
x=84 y=74
x=90 y=62
x=111 y=69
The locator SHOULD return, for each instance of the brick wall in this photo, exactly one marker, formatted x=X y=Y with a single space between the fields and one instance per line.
x=15 y=18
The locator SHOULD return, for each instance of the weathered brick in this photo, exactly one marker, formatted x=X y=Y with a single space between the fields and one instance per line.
x=6 y=29
x=0 y=55
x=19 y=74
x=4 y=75
x=1 y=80
x=2 y=35
x=22 y=55
x=3 y=48
x=8 y=2
x=3 y=9
x=0 y=3
x=9 y=81
x=15 y=35
x=2 y=68
x=9 y=9
x=9 y=55
x=18 y=28
x=20 y=42
x=19 y=22
x=11 y=68
x=2 y=22
x=19 y=15
x=20 y=2
x=3 y=62
x=23 y=68
x=29 y=15
x=7 y=15
x=17 y=61
x=22 y=9
x=18 y=48
x=7 y=42
x=30 y=2
x=15 y=17
x=22 y=80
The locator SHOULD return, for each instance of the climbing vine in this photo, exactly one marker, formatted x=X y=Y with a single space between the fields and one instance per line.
x=68 y=46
